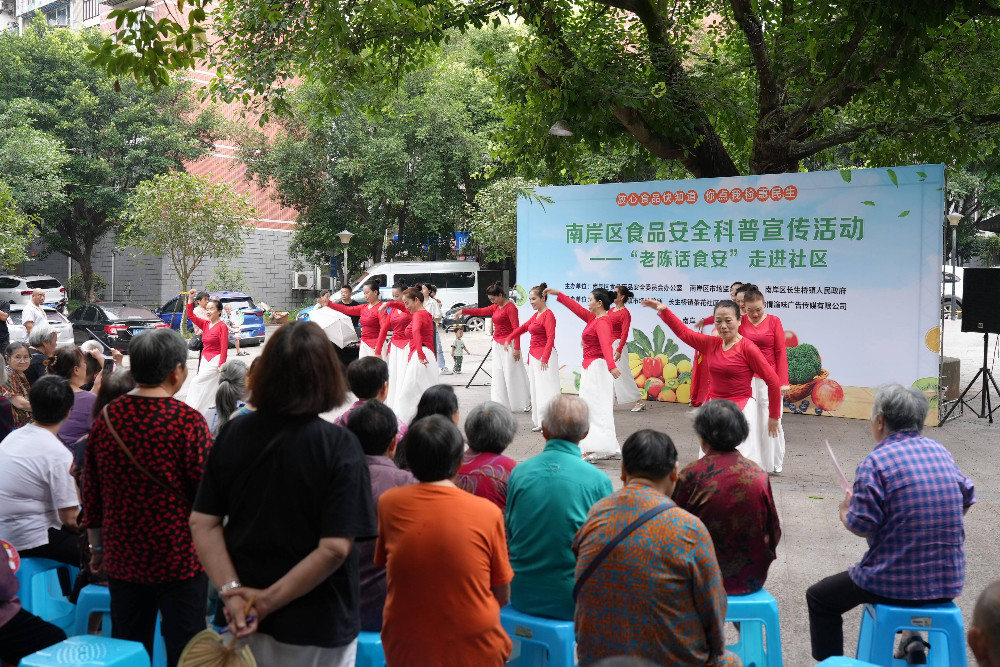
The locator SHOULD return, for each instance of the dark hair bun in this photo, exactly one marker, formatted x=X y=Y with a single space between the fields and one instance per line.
x=543 y=286
x=498 y=285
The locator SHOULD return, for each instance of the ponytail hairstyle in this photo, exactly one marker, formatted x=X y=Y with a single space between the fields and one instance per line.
x=539 y=290
x=625 y=292
x=496 y=289
x=64 y=361
x=602 y=295
x=414 y=293
x=232 y=389
x=744 y=288
x=373 y=284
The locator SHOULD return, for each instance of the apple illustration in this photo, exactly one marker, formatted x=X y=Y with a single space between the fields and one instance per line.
x=828 y=395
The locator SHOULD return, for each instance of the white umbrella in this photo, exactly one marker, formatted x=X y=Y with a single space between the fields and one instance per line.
x=337 y=326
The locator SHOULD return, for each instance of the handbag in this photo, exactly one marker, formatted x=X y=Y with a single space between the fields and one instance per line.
x=155 y=480
x=643 y=518
x=195 y=344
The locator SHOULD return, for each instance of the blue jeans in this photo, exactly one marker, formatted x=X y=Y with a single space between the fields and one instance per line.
x=437 y=346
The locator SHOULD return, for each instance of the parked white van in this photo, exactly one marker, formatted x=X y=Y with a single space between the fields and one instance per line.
x=455 y=280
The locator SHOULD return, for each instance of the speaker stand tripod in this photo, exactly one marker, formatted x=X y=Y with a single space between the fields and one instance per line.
x=480 y=369
x=986 y=409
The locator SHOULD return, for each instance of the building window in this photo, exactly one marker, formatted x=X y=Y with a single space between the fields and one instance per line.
x=91 y=9
x=58 y=16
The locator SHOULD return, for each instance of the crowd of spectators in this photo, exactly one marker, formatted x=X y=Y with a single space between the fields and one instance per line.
x=310 y=529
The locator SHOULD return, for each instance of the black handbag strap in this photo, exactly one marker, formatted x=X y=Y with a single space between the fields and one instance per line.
x=599 y=558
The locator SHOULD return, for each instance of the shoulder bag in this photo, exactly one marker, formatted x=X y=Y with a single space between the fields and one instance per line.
x=599 y=558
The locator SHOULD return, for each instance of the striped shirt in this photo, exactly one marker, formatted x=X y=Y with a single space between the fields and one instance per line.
x=909 y=498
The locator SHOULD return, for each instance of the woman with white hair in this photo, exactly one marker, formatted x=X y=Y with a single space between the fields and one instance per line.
x=42 y=343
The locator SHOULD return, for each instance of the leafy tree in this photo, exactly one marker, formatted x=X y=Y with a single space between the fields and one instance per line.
x=493 y=217
x=187 y=219
x=714 y=87
x=227 y=279
x=114 y=136
x=16 y=232
x=31 y=161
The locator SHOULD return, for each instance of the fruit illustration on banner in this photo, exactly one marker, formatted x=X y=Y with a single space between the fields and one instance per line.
x=520 y=295
x=828 y=395
x=661 y=373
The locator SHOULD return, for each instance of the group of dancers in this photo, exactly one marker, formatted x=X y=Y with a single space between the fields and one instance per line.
x=742 y=360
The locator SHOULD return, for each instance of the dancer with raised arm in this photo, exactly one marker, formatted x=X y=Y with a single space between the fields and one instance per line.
x=420 y=371
x=215 y=347
x=370 y=317
x=599 y=373
x=395 y=316
x=626 y=390
x=766 y=332
x=543 y=362
x=732 y=362
x=509 y=383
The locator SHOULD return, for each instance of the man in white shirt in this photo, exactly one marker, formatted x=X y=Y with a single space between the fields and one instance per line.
x=33 y=313
x=38 y=499
x=433 y=306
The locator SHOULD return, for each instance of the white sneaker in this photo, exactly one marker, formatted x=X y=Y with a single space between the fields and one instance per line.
x=536 y=429
x=528 y=409
x=446 y=371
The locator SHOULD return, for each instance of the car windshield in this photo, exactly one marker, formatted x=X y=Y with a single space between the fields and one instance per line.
x=238 y=304
x=44 y=283
x=124 y=312
x=55 y=317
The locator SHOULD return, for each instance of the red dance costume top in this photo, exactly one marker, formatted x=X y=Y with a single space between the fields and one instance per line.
x=542 y=327
x=596 y=336
x=214 y=338
x=621 y=322
x=769 y=336
x=732 y=370
x=397 y=318
x=370 y=319
x=421 y=334
x=504 y=320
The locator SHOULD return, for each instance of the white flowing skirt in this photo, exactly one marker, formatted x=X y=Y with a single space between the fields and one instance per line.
x=626 y=390
x=417 y=378
x=750 y=448
x=509 y=380
x=598 y=392
x=772 y=450
x=364 y=350
x=204 y=385
x=396 y=361
x=544 y=386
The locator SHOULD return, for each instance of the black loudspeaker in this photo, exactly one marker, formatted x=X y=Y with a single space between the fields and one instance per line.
x=487 y=278
x=981 y=301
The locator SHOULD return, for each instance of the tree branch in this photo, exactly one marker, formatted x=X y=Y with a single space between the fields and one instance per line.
x=768 y=95
x=651 y=140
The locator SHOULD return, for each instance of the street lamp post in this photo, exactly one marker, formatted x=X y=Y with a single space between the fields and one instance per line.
x=345 y=238
x=953 y=220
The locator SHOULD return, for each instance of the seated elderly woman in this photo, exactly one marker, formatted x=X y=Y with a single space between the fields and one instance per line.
x=732 y=496
x=490 y=428
x=15 y=385
x=42 y=342
x=441 y=544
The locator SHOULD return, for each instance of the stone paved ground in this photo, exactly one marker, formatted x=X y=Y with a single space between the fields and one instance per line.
x=807 y=494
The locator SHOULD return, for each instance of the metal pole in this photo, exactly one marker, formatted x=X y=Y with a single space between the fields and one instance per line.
x=345 y=267
x=954 y=270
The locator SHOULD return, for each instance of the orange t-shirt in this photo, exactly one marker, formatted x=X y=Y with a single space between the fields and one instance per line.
x=443 y=550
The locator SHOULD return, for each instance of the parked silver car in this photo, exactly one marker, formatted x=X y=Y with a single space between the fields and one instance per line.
x=56 y=319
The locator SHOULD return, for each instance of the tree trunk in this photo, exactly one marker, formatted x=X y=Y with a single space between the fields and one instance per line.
x=87 y=275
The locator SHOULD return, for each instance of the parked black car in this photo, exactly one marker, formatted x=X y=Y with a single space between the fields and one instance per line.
x=114 y=324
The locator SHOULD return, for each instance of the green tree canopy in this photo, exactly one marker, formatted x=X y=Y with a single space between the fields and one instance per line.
x=186 y=219
x=114 y=135
x=16 y=232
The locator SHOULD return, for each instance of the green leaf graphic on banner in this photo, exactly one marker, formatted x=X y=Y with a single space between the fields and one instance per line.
x=671 y=348
x=846 y=175
x=922 y=175
x=868 y=203
x=635 y=348
x=904 y=214
x=643 y=341
x=658 y=339
x=892 y=177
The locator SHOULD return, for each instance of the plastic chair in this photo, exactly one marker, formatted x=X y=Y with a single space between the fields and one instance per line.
x=93 y=599
x=370 y=650
x=41 y=592
x=757 y=614
x=544 y=641
x=90 y=651
x=942 y=622
x=843 y=661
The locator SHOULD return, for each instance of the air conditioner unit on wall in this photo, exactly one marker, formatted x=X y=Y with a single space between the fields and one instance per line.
x=325 y=282
x=302 y=280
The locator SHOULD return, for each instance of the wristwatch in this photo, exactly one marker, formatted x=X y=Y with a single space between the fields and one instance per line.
x=230 y=585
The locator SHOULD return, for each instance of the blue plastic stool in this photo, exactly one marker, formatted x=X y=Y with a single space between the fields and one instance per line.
x=41 y=593
x=94 y=599
x=843 y=661
x=942 y=622
x=544 y=641
x=757 y=614
x=89 y=651
x=370 y=650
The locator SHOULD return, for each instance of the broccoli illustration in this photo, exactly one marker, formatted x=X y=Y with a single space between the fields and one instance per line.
x=803 y=363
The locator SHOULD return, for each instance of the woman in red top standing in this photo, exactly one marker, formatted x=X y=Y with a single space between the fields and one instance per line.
x=599 y=373
x=543 y=362
x=732 y=363
x=395 y=316
x=420 y=371
x=215 y=347
x=766 y=332
x=509 y=384
x=626 y=390
x=370 y=317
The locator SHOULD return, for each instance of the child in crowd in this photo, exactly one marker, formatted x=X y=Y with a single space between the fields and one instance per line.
x=458 y=349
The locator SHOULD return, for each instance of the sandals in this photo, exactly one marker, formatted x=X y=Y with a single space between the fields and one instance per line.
x=639 y=406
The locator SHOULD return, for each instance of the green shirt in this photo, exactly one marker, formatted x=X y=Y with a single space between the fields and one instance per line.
x=548 y=498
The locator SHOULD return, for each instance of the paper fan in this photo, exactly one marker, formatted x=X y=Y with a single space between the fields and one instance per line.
x=209 y=649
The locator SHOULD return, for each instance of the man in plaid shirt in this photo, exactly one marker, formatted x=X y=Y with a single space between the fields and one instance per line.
x=908 y=501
